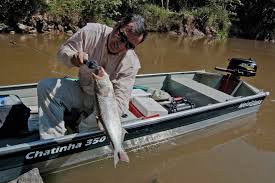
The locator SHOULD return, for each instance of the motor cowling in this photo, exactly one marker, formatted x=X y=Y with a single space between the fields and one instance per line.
x=240 y=67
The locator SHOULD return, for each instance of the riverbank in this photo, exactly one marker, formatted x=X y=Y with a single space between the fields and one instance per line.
x=43 y=24
x=211 y=19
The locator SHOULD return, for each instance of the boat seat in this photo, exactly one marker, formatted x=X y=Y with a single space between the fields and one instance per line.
x=203 y=89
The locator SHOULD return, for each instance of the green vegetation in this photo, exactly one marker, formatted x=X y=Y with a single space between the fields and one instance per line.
x=251 y=19
x=74 y=11
x=65 y=10
x=158 y=19
x=215 y=18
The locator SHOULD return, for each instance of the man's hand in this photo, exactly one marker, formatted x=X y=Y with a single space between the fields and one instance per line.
x=78 y=58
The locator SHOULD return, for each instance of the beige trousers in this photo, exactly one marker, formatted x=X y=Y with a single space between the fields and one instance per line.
x=54 y=96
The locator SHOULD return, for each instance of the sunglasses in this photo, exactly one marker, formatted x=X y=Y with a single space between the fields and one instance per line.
x=124 y=39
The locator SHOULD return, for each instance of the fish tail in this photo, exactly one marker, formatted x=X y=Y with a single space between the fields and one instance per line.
x=123 y=156
x=120 y=155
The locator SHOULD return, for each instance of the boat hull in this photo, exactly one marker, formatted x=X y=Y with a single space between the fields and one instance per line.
x=49 y=157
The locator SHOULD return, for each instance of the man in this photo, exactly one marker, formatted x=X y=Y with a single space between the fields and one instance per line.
x=112 y=49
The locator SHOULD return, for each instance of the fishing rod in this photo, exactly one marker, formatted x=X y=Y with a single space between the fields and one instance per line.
x=14 y=43
x=90 y=63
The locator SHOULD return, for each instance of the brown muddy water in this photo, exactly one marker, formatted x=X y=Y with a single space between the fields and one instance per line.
x=241 y=150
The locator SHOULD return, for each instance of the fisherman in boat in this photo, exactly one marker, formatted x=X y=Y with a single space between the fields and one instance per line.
x=112 y=49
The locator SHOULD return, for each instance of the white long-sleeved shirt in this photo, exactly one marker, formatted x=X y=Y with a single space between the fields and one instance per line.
x=122 y=68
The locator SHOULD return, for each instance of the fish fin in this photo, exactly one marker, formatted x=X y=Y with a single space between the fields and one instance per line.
x=123 y=132
x=99 y=124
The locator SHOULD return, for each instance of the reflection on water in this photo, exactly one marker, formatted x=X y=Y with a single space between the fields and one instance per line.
x=205 y=155
x=224 y=153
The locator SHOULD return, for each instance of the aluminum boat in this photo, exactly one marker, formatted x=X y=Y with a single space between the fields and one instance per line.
x=209 y=99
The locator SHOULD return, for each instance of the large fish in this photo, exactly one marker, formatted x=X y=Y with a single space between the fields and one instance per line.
x=108 y=116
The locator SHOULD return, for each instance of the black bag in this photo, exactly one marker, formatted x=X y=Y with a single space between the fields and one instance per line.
x=14 y=116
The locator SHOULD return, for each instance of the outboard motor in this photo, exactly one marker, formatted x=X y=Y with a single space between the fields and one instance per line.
x=240 y=67
x=237 y=67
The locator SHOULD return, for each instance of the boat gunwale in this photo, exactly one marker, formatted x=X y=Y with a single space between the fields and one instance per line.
x=18 y=86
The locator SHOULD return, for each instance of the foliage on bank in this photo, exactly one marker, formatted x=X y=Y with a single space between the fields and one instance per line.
x=219 y=18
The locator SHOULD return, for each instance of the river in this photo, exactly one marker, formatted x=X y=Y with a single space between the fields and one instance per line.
x=241 y=150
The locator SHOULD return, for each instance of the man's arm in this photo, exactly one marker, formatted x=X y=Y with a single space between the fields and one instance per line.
x=71 y=52
x=123 y=86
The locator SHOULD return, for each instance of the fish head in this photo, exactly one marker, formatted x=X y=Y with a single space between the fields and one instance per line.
x=102 y=82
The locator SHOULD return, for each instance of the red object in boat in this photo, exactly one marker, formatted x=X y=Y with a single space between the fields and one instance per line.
x=135 y=111
x=152 y=116
x=138 y=114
